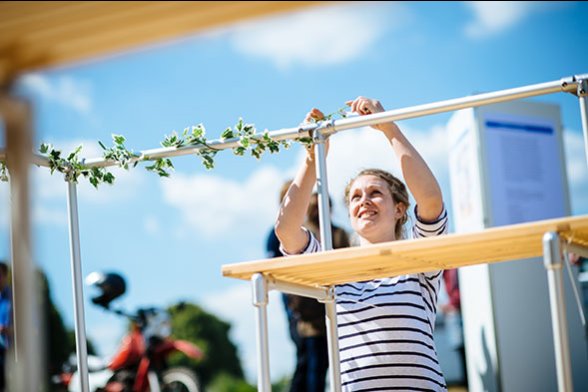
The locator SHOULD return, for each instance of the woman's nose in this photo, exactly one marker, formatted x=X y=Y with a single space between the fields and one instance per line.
x=364 y=199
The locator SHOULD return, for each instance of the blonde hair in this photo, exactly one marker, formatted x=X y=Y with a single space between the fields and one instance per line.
x=397 y=190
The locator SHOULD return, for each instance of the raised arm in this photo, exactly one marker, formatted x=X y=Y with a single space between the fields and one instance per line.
x=293 y=210
x=418 y=177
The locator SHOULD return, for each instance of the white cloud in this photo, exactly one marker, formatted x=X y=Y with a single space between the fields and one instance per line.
x=235 y=306
x=494 y=17
x=64 y=90
x=127 y=185
x=321 y=36
x=213 y=205
x=50 y=198
x=48 y=216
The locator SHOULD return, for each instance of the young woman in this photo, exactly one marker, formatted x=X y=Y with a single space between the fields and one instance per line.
x=385 y=326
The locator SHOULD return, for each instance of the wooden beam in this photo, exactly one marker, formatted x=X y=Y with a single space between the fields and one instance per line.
x=35 y=35
x=338 y=266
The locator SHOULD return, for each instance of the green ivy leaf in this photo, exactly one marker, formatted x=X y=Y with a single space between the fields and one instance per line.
x=244 y=141
x=227 y=134
x=45 y=148
x=118 y=139
x=73 y=155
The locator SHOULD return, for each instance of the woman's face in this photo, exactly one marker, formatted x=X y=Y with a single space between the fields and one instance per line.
x=372 y=210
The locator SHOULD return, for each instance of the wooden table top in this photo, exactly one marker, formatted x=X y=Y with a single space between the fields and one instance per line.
x=512 y=242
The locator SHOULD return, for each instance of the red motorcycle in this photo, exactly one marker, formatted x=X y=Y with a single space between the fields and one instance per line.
x=140 y=363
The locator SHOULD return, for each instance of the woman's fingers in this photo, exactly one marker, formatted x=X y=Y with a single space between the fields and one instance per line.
x=314 y=115
x=363 y=105
x=360 y=105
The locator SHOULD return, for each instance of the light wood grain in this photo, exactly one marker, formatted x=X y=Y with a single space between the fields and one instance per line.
x=493 y=245
x=35 y=35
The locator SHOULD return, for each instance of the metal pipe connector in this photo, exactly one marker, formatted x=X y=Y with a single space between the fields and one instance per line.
x=259 y=287
x=552 y=250
x=323 y=131
x=582 y=90
x=330 y=295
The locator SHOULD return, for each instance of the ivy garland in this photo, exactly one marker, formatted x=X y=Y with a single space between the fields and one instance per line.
x=248 y=140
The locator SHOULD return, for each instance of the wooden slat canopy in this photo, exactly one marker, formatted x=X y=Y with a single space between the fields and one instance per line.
x=35 y=34
x=411 y=256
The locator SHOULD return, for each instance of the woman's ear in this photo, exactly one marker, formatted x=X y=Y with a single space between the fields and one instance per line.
x=399 y=210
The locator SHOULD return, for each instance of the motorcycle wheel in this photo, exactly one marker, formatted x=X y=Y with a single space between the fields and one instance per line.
x=180 y=379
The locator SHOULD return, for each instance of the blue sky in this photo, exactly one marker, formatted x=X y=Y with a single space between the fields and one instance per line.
x=169 y=237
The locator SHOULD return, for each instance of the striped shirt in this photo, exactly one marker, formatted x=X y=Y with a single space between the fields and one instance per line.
x=386 y=327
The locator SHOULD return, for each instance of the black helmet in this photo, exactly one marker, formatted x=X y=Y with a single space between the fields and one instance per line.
x=110 y=286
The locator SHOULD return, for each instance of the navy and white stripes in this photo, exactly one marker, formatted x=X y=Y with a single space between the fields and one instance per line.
x=386 y=327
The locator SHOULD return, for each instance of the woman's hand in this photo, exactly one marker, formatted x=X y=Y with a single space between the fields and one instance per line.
x=314 y=116
x=364 y=106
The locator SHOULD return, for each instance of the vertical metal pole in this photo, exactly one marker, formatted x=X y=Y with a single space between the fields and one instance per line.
x=260 y=300
x=78 y=294
x=26 y=357
x=323 y=192
x=553 y=263
x=327 y=244
x=583 y=98
x=333 y=341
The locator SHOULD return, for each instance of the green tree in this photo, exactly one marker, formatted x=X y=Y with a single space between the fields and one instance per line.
x=281 y=385
x=227 y=383
x=190 y=322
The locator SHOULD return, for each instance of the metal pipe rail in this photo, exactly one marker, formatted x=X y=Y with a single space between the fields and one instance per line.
x=572 y=84
x=569 y=85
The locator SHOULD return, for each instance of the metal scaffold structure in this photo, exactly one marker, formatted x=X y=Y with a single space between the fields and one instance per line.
x=546 y=239
x=18 y=156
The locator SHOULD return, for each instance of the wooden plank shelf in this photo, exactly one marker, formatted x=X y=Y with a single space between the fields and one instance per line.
x=338 y=266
